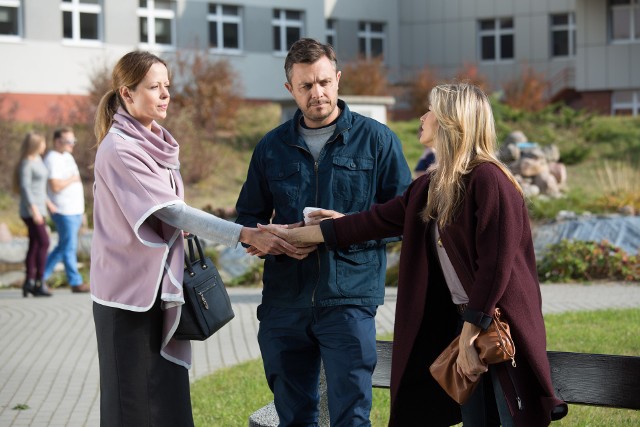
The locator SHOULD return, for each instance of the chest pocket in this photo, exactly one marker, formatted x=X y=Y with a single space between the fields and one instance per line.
x=352 y=178
x=284 y=183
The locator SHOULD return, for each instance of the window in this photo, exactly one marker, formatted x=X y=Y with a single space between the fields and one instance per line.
x=10 y=20
x=496 y=39
x=371 y=39
x=330 y=32
x=287 y=28
x=563 y=35
x=157 y=22
x=625 y=103
x=81 y=20
x=625 y=20
x=225 y=28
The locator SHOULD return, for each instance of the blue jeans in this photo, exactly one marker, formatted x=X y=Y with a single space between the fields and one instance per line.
x=66 y=251
x=294 y=341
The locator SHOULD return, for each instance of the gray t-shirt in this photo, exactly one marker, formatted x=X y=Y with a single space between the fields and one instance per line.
x=33 y=186
x=316 y=138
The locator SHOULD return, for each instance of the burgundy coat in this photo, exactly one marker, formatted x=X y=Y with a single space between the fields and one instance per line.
x=491 y=248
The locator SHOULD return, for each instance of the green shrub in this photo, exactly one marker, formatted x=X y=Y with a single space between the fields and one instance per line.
x=575 y=199
x=575 y=154
x=568 y=261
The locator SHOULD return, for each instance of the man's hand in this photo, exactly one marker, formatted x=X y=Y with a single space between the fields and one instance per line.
x=265 y=243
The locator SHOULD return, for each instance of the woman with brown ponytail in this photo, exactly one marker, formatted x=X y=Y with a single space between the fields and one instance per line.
x=137 y=252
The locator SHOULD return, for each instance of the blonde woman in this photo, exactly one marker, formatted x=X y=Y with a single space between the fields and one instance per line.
x=30 y=180
x=467 y=249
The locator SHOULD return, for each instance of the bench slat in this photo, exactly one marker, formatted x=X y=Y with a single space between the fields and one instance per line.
x=596 y=379
x=579 y=378
x=382 y=374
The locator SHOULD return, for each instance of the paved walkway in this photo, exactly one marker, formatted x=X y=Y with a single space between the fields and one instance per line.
x=49 y=361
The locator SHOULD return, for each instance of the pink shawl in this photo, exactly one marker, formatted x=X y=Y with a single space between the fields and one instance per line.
x=135 y=258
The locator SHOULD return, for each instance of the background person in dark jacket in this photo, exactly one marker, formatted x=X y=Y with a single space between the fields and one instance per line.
x=427 y=158
x=322 y=307
x=481 y=215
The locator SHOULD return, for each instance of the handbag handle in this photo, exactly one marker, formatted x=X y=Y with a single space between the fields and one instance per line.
x=190 y=255
x=504 y=337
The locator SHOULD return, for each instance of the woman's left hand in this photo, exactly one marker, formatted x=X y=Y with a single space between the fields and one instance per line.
x=320 y=215
x=469 y=363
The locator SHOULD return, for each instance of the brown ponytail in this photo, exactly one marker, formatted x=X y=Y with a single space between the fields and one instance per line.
x=104 y=114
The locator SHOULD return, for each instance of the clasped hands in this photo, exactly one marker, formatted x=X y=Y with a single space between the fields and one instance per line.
x=296 y=240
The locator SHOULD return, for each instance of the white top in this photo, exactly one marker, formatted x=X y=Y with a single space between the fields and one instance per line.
x=69 y=200
x=458 y=294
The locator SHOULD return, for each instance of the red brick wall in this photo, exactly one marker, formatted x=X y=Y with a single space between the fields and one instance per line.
x=594 y=101
x=49 y=109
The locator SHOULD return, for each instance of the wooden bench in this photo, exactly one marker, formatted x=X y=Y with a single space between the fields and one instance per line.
x=578 y=378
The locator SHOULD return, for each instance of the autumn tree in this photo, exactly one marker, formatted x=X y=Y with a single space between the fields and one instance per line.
x=526 y=92
x=469 y=73
x=365 y=77
x=419 y=89
x=206 y=90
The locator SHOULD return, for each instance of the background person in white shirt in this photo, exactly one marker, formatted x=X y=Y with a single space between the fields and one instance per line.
x=66 y=193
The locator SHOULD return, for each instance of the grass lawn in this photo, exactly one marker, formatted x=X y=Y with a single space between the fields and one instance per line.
x=228 y=397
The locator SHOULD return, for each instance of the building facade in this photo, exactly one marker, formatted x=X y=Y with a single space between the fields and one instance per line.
x=589 y=50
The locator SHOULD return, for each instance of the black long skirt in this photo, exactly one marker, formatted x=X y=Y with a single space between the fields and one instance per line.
x=138 y=387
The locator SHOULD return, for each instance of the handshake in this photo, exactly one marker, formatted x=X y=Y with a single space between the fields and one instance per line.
x=296 y=240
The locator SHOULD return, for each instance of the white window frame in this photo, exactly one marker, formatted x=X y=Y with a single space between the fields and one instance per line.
x=497 y=32
x=570 y=28
x=151 y=13
x=630 y=9
x=76 y=7
x=368 y=35
x=283 y=23
x=17 y=4
x=331 y=32
x=634 y=105
x=219 y=18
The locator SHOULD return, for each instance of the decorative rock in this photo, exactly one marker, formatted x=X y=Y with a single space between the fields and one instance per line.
x=530 y=190
x=515 y=137
x=268 y=417
x=534 y=153
x=551 y=153
x=547 y=184
x=627 y=210
x=509 y=152
x=529 y=166
x=540 y=172
x=559 y=171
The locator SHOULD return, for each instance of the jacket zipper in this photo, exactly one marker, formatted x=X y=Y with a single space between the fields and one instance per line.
x=315 y=288
x=315 y=170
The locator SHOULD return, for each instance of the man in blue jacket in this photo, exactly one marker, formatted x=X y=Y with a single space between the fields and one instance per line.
x=322 y=307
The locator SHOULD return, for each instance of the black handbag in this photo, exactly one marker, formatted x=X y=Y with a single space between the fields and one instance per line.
x=207 y=307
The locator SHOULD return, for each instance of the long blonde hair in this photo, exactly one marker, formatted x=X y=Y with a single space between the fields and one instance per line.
x=464 y=138
x=31 y=144
x=130 y=70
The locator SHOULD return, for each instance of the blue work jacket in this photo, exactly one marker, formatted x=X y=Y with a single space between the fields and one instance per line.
x=361 y=164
